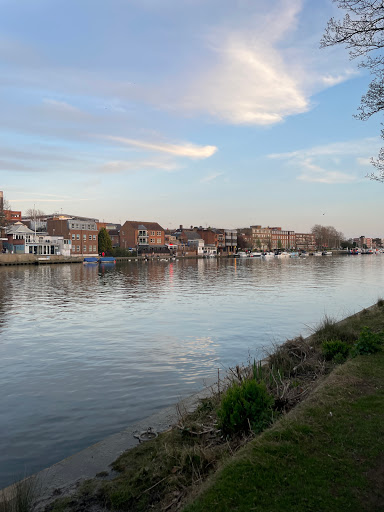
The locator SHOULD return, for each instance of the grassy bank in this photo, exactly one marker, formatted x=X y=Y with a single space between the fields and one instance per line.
x=321 y=448
x=325 y=455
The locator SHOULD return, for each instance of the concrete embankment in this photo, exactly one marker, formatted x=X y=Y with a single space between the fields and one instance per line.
x=63 y=477
x=32 y=259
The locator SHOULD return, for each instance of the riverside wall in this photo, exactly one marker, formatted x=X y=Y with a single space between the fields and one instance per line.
x=32 y=259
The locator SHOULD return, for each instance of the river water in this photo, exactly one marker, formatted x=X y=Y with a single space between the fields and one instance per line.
x=87 y=350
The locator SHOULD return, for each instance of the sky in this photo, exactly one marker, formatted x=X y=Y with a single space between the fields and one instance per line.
x=220 y=113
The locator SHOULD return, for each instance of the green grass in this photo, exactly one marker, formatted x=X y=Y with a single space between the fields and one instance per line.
x=325 y=455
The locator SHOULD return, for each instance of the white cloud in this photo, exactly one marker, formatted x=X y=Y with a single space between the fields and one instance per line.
x=250 y=84
x=364 y=161
x=121 y=166
x=317 y=164
x=315 y=173
x=181 y=150
x=353 y=147
x=211 y=177
x=331 y=80
x=62 y=106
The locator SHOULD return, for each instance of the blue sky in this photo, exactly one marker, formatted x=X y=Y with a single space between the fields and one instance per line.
x=194 y=112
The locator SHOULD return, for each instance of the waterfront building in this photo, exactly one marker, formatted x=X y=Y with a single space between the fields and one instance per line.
x=271 y=238
x=82 y=232
x=186 y=242
x=305 y=241
x=230 y=240
x=22 y=240
x=142 y=236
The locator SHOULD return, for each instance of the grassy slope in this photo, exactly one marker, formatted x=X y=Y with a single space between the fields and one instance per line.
x=325 y=455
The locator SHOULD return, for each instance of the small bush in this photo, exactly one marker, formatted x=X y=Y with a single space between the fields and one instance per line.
x=368 y=343
x=335 y=348
x=245 y=406
x=330 y=330
x=380 y=302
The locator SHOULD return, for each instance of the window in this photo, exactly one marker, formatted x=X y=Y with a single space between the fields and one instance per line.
x=152 y=233
x=72 y=226
x=90 y=237
x=152 y=240
x=83 y=226
x=94 y=237
x=94 y=248
x=90 y=248
x=159 y=240
x=77 y=237
x=159 y=233
x=84 y=237
x=73 y=237
x=78 y=248
x=89 y=226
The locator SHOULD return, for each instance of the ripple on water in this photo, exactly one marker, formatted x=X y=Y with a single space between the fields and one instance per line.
x=86 y=351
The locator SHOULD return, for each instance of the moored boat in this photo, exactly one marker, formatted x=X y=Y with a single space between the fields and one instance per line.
x=107 y=259
x=90 y=259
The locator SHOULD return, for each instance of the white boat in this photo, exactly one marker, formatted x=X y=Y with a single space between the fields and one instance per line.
x=268 y=255
x=243 y=254
x=294 y=255
x=255 y=254
x=318 y=253
x=326 y=253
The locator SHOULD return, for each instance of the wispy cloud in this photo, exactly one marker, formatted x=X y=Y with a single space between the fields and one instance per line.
x=61 y=105
x=319 y=163
x=250 y=81
x=181 y=150
x=331 y=80
x=121 y=166
x=60 y=200
x=315 y=174
x=211 y=177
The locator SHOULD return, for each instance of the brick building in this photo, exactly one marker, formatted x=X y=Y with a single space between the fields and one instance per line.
x=271 y=238
x=82 y=232
x=142 y=235
x=305 y=241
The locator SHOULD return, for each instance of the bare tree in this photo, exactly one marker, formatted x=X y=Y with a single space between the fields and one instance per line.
x=5 y=205
x=361 y=31
x=34 y=213
x=327 y=236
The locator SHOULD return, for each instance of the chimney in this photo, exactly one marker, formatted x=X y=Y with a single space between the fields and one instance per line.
x=1 y=201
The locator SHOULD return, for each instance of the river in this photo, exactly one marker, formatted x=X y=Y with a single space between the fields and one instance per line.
x=87 y=350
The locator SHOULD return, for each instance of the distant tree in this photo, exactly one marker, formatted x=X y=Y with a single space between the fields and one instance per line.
x=105 y=242
x=327 y=236
x=279 y=244
x=4 y=206
x=258 y=243
x=268 y=242
x=34 y=213
x=361 y=31
x=346 y=244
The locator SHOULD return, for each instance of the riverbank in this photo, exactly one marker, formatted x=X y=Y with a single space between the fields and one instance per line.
x=177 y=463
x=32 y=259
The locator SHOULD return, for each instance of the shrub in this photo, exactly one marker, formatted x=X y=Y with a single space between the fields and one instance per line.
x=330 y=330
x=245 y=406
x=368 y=342
x=335 y=348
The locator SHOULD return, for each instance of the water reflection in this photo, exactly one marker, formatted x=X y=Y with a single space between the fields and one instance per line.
x=87 y=349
